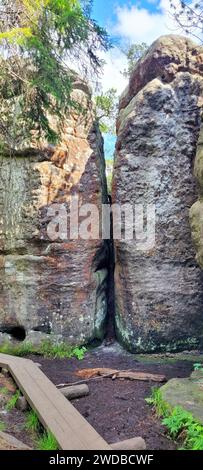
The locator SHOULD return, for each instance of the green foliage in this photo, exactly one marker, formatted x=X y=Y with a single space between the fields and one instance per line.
x=46 y=348
x=106 y=110
x=4 y=391
x=47 y=442
x=32 y=422
x=79 y=353
x=194 y=439
x=198 y=366
x=162 y=409
x=19 y=349
x=178 y=422
x=2 y=426
x=61 y=350
x=13 y=400
x=133 y=53
x=39 y=38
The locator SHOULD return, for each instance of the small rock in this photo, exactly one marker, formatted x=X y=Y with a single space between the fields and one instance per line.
x=7 y=382
x=22 y=404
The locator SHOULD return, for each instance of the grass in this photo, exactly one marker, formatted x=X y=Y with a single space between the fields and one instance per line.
x=44 y=441
x=32 y=423
x=12 y=401
x=4 y=391
x=2 y=426
x=47 y=348
x=47 y=442
x=180 y=423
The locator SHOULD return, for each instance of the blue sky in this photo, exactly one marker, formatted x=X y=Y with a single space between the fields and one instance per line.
x=104 y=11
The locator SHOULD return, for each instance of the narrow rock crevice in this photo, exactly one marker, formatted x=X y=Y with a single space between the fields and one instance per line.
x=110 y=322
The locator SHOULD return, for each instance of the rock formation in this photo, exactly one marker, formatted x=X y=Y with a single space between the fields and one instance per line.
x=54 y=286
x=158 y=286
x=196 y=211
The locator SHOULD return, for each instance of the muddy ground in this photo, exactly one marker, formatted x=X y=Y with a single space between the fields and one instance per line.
x=117 y=409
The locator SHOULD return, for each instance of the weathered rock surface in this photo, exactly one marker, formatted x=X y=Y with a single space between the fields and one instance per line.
x=51 y=286
x=196 y=211
x=185 y=393
x=159 y=289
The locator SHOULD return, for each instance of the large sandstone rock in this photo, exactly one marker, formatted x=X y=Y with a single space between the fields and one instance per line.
x=186 y=393
x=55 y=287
x=196 y=211
x=159 y=289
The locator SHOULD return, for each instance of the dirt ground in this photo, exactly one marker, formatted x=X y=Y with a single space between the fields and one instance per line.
x=117 y=409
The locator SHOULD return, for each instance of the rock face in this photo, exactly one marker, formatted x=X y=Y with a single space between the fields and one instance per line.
x=53 y=286
x=196 y=211
x=186 y=393
x=159 y=289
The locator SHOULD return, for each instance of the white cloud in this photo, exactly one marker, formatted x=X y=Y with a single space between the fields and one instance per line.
x=116 y=62
x=139 y=24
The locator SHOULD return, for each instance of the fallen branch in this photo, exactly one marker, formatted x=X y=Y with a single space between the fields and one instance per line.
x=123 y=374
x=69 y=384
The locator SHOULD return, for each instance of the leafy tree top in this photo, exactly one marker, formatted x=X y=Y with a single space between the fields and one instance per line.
x=39 y=41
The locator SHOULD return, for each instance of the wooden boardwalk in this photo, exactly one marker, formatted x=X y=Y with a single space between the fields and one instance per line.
x=54 y=411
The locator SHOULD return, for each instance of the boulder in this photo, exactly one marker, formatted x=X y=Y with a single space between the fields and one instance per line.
x=185 y=393
x=53 y=286
x=158 y=284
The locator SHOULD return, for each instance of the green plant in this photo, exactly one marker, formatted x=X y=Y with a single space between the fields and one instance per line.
x=13 y=400
x=61 y=350
x=162 y=408
x=47 y=442
x=198 y=366
x=79 y=353
x=4 y=391
x=21 y=349
x=178 y=420
x=194 y=438
x=2 y=426
x=47 y=348
x=32 y=423
x=133 y=53
x=39 y=38
x=180 y=423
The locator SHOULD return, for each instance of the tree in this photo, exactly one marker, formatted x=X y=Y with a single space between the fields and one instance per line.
x=39 y=39
x=106 y=110
x=189 y=17
x=134 y=52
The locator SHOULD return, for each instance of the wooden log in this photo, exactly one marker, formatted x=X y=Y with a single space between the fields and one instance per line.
x=120 y=374
x=136 y=443
x=75 y=391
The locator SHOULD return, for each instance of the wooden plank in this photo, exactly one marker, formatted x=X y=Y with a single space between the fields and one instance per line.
x=54 y=411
